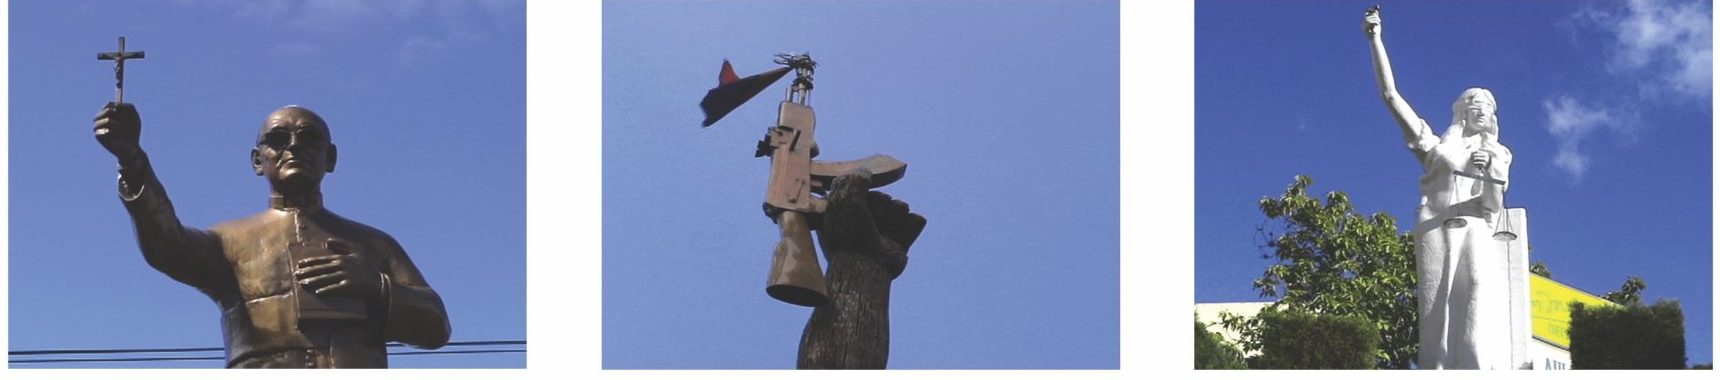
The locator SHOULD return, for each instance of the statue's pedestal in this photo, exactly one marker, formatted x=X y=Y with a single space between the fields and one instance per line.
x=1517 y=261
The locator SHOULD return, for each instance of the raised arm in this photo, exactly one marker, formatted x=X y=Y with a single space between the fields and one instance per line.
x=1415 y=131
x=187 y=255
x=866 y=236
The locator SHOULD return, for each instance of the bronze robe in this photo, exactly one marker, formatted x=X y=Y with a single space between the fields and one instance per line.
x=245 y=267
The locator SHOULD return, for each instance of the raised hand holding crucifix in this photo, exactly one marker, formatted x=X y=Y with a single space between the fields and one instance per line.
x=117 y=126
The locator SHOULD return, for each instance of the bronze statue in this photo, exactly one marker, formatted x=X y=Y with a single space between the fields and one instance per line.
x=865 y=234
x=298 y=286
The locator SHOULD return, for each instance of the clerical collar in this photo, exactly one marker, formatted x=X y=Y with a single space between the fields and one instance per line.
x=305 y=202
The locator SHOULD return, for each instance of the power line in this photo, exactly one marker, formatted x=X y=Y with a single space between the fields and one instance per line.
x=110 y=351
x=208 y=349
x=455 y=352
x=205 y=358
x=86 y=360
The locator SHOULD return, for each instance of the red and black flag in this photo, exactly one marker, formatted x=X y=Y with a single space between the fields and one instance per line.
x=731 y=91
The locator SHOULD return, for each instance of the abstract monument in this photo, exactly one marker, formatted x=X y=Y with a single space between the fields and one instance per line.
x=865 y=234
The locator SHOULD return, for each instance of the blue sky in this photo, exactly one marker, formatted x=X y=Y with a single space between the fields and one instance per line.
x=1006 y=113
x=425 y=99
x=1605 y=105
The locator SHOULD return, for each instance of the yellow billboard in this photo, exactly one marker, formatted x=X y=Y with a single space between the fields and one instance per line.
x=1550 y=307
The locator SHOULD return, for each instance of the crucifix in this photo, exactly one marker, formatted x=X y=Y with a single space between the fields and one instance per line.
x=118 y=58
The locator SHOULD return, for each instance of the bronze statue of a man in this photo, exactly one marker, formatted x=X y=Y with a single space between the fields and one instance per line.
x=298 y=286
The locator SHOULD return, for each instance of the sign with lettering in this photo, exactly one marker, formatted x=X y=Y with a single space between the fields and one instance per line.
x=1550 y=306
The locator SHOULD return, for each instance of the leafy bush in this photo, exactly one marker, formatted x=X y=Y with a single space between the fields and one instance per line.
x=1211 y=352
x=1628 y=337
x=1294 y=340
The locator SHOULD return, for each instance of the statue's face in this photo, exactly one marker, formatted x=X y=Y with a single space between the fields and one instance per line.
x=1479 y=115
x=293 y=150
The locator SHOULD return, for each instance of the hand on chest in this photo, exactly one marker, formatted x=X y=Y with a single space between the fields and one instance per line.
x=323 y=266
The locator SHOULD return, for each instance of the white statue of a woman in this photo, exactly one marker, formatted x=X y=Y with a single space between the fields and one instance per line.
x=1462 y=290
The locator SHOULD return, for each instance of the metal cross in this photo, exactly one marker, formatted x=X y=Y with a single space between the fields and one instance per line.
x=118 y=58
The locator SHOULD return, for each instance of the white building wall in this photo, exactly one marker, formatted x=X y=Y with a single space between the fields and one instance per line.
x=1208 y=313
x=1546 y=356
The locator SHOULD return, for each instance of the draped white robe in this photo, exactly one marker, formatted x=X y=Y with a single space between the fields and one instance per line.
x=1462 y=271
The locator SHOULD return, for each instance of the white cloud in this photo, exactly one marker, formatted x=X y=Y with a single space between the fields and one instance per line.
x=1660 y=51
x=344 y=16
x=1667 y=45
x=453 y=23
x=1571 y=122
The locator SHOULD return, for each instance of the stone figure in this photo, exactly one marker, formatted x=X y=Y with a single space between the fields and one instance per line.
x=298 y=286
x=865 y=237
x=1462 y=274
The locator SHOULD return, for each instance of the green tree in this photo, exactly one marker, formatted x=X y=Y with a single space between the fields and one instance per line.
x=1628 y=294
x=1211 y=352
x=1630 y=337
x=1540 y=268
x=1332 y=260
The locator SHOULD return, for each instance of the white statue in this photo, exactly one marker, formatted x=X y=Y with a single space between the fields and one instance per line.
x=1462 y=291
